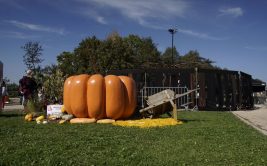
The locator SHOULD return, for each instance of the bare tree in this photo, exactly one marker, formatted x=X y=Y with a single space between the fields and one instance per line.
x=32 y=56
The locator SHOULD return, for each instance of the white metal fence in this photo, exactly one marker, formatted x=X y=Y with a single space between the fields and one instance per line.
x=148 y=91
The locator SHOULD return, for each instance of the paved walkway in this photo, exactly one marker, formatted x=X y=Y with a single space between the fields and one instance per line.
x=13 y=107
x=256 y=118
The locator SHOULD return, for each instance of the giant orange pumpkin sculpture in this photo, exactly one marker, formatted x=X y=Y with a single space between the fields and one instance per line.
x=100 y=97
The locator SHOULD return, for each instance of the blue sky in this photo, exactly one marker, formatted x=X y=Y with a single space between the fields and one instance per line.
x=230 y=32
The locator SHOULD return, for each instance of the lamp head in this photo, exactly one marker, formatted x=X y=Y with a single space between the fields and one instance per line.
x=172 y=30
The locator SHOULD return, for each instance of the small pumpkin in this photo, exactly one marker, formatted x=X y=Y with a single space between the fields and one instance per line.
x=28 y=117
x=40 y=118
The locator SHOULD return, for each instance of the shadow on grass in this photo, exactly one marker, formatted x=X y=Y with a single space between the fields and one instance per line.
x=192 y=120
x=13 y=113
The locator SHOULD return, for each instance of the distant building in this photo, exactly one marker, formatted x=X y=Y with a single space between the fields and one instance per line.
x=259 y=92
x=1 y=71
x=1 y=79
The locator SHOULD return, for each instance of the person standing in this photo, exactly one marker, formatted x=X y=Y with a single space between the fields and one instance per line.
x=4 y=93
x=28 y=87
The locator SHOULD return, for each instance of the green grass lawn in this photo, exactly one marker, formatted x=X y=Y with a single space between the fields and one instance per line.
x=206 y=138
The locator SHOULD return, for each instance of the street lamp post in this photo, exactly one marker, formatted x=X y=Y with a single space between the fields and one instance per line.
x=172 y=31
x=196 y=92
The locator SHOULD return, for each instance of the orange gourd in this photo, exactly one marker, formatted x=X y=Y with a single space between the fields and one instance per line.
x=100 y=97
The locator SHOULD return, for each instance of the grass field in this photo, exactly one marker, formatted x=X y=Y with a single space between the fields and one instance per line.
x=205 y=138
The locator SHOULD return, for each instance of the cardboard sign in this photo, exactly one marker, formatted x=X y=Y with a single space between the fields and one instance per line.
x=54 y=109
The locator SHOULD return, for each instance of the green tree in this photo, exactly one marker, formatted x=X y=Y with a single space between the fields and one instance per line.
x=145 y=52
x=53 y=84
x=192 y=59
x=167 y=56
x=115 y=54
x=12 y=88
x=38 y=75
x=67 y=63
x=49 y=70
x=32 y=56
x=87 y=54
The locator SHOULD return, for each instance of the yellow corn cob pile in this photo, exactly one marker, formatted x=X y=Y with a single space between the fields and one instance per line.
x=146 y=123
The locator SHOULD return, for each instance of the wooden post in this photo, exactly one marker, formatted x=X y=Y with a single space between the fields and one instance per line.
x=174 y=112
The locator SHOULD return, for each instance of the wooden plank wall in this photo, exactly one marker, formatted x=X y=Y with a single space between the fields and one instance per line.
x=219 y=89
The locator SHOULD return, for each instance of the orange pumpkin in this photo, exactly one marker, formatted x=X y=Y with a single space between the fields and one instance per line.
x=100 y=97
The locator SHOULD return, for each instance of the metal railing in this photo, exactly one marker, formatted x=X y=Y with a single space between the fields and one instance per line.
x=148 y=91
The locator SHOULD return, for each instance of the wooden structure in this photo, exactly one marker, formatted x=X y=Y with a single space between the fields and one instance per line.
x=219 y=89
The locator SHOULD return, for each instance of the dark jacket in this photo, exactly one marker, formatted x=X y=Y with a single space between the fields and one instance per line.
x=28 y=86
